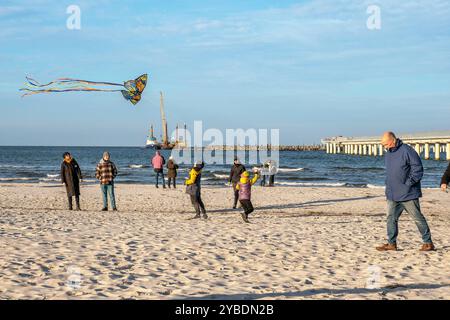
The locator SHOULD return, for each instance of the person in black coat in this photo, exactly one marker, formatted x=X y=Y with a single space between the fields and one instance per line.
x=235 y=175
x=445 y=179
x=71 y=177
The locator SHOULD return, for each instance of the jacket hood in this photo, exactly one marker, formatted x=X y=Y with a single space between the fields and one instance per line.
x=398 y=144
x=245 y=174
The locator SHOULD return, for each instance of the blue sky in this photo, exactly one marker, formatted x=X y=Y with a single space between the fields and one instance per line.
x=310 y=68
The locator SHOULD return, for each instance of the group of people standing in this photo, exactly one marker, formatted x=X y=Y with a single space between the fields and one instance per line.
x=71 y=177
x=404 y=172
x=239 y=179
x=106 y=172
x=158 y=162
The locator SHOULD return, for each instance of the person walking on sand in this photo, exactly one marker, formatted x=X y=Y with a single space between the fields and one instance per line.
x=445 y=179
x=244 y=187
x=272 y=170
x=106 y=172
x=71 y=178
x=172 y=168
x=193 y=188
x=404 y=171
x=264 y=173
x=235 y=175
x=158 y=162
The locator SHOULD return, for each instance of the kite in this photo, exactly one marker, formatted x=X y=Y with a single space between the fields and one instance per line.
x=131 y=91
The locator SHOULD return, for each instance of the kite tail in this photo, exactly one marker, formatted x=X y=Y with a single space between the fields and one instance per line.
x=31 y=91
x=34 y=83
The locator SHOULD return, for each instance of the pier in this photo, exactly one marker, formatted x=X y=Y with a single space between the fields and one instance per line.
x=429 y=145
x=269 y=147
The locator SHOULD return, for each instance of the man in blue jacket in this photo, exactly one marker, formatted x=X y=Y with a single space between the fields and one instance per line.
x=404 y=171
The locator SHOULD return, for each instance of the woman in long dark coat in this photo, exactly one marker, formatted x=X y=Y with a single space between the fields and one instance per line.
x=71 y=177
x=172 y=168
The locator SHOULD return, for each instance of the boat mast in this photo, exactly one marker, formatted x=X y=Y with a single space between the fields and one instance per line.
x=163 y=120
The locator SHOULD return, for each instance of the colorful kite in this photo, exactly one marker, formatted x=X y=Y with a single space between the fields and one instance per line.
x=132 y=92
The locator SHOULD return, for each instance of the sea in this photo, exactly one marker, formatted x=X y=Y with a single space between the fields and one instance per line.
x=41 y=165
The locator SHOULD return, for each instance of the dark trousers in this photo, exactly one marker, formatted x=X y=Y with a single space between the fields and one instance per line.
x=160 y=172
x=77 y=202
x=263 y=181
x=236 y=195
x=247 y=206
x=271 y=180
x=198 y=203
x=171 y=180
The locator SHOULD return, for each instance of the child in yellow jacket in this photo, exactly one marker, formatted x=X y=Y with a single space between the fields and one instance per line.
x=244 y=186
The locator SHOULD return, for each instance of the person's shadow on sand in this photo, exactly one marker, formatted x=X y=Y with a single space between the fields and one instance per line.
x=303 y=205
x=313 y=292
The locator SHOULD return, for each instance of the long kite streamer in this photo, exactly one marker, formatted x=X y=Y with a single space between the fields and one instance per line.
x=131 y=89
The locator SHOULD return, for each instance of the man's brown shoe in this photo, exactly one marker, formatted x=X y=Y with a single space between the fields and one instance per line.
x=427 y=247
x=387 y=247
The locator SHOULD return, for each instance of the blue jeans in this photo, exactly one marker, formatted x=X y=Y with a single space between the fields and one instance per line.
x=160 y=173
x=108 y=189
x=395 y=210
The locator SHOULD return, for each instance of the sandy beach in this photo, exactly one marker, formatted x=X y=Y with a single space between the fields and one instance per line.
x=302 y=243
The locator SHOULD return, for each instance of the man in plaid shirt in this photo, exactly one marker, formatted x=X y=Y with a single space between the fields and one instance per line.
x=106 y=172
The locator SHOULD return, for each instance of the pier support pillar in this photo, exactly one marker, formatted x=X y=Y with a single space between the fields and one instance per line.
x=360 y=151
x=375 y=150
x=447 y=151
x=380 y=149
x=437 y=151
x=364 y=149
x=427 y=151
x=417 y=148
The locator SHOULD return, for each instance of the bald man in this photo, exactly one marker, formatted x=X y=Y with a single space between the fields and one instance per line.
x=404 y=171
